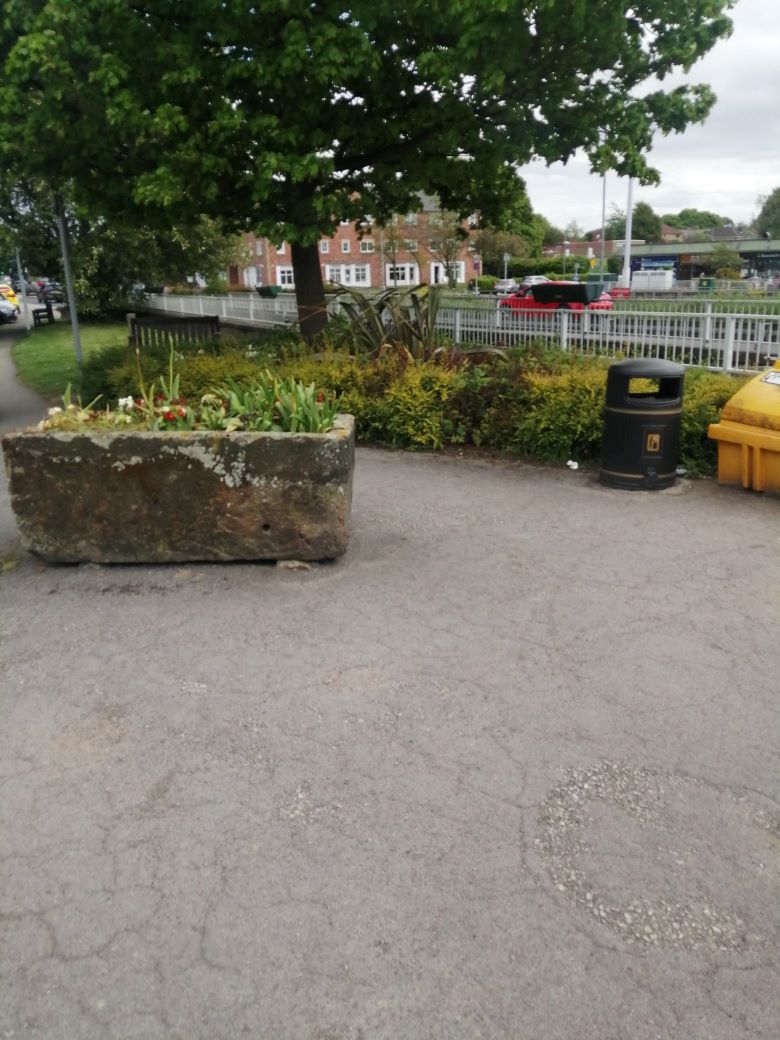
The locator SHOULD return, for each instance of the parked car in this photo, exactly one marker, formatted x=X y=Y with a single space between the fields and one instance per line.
x=8 y=312
x=533 y=279
x=504 y=286
x=7 y=293
x=554 y=296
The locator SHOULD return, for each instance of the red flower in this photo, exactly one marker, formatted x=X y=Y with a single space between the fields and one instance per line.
x=181 y=413
x=320 y=397
x=168 y=416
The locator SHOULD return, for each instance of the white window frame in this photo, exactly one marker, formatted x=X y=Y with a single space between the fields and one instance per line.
x=345 y=247
x=280 y=249
x=410 y=245
x=362 y=274
x=366 y=245
x=410 y=220
x=409 y=274
x=324 y=245
x=258 y=248
x=285 y=276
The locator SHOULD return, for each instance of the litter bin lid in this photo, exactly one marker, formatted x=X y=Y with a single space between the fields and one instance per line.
x=648 y=368
x=758 y=402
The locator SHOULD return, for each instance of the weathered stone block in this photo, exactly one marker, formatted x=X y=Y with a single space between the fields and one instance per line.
x=159 y=497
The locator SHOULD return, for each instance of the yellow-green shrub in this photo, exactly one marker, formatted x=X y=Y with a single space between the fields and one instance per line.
x=705 y=394
x=416 y=407
x=562 y=415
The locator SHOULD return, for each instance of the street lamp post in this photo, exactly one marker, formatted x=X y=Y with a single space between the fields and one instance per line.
x=565 y=251
x=23 y=292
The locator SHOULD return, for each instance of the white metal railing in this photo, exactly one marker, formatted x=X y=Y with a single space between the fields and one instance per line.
x=727 y=341
x=248 y=308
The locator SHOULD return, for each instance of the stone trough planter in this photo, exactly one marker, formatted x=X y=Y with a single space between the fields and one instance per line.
x=164 y=497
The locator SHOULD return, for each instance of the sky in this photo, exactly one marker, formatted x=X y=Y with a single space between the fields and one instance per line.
x=722 y=165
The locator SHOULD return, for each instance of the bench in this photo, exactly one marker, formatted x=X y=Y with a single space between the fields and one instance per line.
x=150 y=330
x=41 y=314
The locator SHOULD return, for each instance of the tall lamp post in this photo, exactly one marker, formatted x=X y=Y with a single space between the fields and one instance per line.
x=565 y=251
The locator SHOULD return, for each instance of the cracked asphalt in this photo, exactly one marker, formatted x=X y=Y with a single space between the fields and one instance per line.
x=507 y=770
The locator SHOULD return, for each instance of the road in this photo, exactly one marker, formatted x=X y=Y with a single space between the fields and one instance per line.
x=507 y=771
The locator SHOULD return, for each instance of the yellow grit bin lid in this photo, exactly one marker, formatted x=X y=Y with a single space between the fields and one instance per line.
x=758 y=402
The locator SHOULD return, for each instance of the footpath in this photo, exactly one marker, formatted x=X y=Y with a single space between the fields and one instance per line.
x=506 y=771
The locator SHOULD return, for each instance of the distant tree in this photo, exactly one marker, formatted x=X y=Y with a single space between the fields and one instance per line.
x=519 y=233
x=615 y=227
x=722 y=258
x=646 y=223
x=573 y=232
x=492 y=245
x=695 y=218
x=549 y=234
x=768 y=219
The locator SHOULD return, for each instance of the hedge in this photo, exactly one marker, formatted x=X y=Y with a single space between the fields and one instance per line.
x=538 y=403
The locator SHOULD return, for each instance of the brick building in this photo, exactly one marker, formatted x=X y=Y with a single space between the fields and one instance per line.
x=415 y=248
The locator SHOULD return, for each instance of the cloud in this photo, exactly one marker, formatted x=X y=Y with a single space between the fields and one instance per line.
x=722 y=165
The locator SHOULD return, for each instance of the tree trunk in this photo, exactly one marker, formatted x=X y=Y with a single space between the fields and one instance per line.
x=309 y=290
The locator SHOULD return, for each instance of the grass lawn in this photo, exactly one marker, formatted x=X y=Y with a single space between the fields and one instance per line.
x=45 y=359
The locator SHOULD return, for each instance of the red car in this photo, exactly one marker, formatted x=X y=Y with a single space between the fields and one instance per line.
x=554 y=296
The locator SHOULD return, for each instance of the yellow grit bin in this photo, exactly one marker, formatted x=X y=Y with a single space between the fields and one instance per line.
x=748 y=435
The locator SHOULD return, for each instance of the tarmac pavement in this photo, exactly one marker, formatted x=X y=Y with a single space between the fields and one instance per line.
x=507 y=770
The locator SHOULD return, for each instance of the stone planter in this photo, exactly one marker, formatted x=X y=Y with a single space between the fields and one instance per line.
x=157 y=497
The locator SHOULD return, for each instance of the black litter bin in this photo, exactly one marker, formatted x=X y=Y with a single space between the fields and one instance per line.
x=642 y=424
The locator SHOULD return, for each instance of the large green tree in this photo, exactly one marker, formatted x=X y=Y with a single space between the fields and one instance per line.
x=289 y=115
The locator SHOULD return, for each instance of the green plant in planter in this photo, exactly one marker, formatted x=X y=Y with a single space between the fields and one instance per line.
x=267 y=403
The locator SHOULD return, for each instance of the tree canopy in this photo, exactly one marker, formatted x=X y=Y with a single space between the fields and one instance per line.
x=768 y=219
x=110 y=258
x=701 y=219
x=646 y=224
x=286 y=117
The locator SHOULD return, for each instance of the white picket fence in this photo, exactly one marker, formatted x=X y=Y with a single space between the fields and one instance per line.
x=729 y=342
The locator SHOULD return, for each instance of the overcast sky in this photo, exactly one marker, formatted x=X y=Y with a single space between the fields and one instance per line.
x=722 y=165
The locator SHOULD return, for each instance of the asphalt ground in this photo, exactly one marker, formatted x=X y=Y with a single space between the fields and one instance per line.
x=507 y=770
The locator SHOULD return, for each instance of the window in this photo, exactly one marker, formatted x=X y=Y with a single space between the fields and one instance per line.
x=401 y=274
x=434 y=219
x=433 y=245
x=366 y=245
x=284 y=276
x=324 y=246
x=411 y=219
x=410 y=245
x=361 y=274
x=345 y=246
x=280 y=249
x=258 y=248
x=343 y=222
